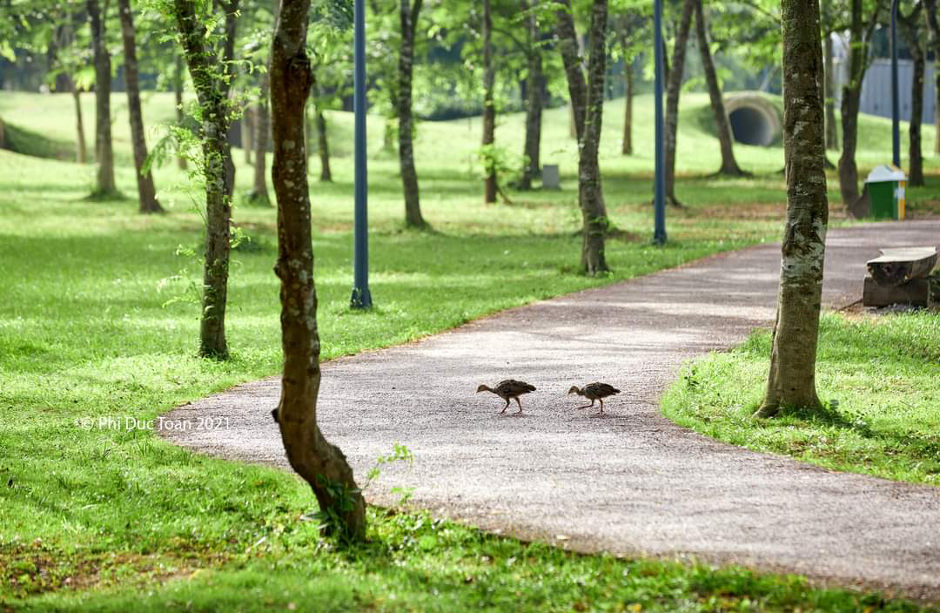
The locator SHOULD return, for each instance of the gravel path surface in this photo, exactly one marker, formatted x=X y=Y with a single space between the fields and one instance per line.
x=631 y=482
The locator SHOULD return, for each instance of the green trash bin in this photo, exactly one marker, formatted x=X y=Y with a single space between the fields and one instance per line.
x=886 y=188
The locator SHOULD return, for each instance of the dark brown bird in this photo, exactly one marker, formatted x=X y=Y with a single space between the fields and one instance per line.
x=596 y=391
x=509 y=389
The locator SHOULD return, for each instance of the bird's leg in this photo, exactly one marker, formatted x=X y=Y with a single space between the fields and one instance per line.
x=601 y=411
x=518 y=404
x=592 y=404
x=505 y=406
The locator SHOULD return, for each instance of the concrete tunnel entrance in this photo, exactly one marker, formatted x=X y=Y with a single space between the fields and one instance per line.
x=753 y=119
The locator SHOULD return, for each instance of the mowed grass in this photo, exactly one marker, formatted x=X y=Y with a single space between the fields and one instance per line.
x=96 y=324
x=878 y=377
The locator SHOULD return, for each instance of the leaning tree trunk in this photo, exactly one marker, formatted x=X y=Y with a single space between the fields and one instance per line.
x=723 y=131
x=259 y=193
x=794 y=341
x=80 y=150
x=315 y=459
x=572 y=62
x=212 y=79
x=830 y=91
x=145 y=179
x=916 y=173
x=490 y=112
x=590 y=195
x=534 y=90
x=178 y=96
x=849 y=106
x=104 y=153
x=671 y=119
x=408 y=14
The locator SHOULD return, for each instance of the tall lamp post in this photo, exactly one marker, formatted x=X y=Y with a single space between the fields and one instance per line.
x=896 y=143
x=659 y=209
x=361 y=299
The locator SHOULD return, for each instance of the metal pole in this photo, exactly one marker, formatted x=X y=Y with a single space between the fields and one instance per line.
x=659 y=209
x=361 y=298
x=896 y=144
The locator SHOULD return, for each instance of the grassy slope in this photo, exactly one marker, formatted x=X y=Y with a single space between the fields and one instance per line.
x=83 y=334
x=881 y=373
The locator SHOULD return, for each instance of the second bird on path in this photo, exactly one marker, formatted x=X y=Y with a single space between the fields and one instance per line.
x=509 y=389
x=595 y=391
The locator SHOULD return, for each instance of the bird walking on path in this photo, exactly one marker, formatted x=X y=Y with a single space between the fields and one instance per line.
x=596 y=391
x=509 y=389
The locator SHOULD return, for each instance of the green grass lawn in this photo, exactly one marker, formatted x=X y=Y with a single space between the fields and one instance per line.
x=91 y=326
x=877 y=376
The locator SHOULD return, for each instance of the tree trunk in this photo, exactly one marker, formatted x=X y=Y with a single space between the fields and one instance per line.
x=490 y=112
x=81 y=155
x=178 y=96
x=671 y=118
x=590 y=196
x=323 y=147
x=104 y=153
x=931 y=20
x=849 y=107
x=794 y=341
x=320 y=463
x=145 y=180
x=627 y=142
x=830 y=91
x=534 y=89
x=245 y=126
x=212 y=79
x=572 y=62
x=910 y=30
x=259 y=193
x=408 y=14
x=723 y=131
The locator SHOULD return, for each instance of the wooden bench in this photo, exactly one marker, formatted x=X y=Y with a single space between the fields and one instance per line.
x=900 y=275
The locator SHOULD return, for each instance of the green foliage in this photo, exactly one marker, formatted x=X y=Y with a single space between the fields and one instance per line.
x=880 y=380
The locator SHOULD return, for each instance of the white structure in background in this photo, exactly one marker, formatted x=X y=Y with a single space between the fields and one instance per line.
x=876 y=97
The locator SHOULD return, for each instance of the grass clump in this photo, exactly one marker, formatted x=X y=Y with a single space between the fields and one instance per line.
x=878 y=378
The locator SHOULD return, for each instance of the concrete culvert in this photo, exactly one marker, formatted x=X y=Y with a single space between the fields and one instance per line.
x=753 y=119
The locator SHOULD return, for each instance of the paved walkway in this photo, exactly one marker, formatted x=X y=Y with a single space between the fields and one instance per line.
x=630 y=483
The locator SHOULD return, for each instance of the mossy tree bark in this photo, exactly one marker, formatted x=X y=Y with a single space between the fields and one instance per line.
x=535 y=88
x=145 y=179
x=315 y=459
x=104 y=153
x=723 y=131
x=490 y=112
x=852 y=91
x=587 y=100
x=671 y=116
x=408 y=17
x=912 y=33
x=212 y=78
x=791 y=380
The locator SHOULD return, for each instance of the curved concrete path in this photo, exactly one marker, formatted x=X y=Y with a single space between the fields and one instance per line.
x=630 y=483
